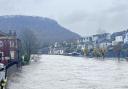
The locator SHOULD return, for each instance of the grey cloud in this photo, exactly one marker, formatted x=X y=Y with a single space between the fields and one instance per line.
x=75 y=17
x=82 y=16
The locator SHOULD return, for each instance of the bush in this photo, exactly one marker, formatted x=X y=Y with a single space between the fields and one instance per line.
x=26 y=59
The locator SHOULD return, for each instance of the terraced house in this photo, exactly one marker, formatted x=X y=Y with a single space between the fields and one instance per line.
x=9 y=47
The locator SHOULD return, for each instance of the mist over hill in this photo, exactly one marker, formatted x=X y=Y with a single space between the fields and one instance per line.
x=45 y=29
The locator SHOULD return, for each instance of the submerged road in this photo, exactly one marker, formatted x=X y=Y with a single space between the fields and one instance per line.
x=63 y=72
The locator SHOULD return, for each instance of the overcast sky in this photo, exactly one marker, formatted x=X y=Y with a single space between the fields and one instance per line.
x=85 y=17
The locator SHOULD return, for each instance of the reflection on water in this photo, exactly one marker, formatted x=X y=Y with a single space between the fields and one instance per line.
x=61 y=72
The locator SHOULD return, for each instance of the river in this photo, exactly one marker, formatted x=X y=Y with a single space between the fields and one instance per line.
x=64 y=72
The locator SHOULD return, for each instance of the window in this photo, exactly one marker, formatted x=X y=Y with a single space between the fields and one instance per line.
x=12 y=44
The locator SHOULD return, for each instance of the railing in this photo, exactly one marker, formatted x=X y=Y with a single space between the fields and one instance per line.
x=8 y=65
x=12 y=62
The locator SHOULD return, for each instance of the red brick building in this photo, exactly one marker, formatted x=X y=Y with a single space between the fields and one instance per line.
x=9 y=47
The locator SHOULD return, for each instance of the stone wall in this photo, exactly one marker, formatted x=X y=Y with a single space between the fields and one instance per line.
x=12 y=70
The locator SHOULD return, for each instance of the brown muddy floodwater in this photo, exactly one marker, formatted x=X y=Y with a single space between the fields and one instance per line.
x=64 y=72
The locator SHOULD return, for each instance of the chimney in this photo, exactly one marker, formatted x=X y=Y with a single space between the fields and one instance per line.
x=10 y=32
x=14 y=33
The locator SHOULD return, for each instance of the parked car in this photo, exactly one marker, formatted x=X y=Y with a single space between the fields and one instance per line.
x=75 y=54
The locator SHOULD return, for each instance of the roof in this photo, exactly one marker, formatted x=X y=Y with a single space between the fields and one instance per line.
x=121 y=33
x=101 y=35
x=3 y=34
x=105 y=40
x=88 y=43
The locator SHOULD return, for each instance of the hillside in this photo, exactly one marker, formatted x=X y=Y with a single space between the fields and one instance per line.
x=46 y=30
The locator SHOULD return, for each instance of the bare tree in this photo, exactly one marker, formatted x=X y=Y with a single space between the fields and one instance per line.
x=117 y=49
x=100 y=31
x=103 y=52
x=29 y=44
x=85 y=51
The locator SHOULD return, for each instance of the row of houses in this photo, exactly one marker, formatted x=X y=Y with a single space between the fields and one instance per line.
x=103 y=40
x=56 y=49
x=61 y=48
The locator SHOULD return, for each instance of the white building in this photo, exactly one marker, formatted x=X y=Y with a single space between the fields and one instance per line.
x=83 y=43
x=114 y=43
x=87 y=45
x=119 y=38
x=106 y=36
x=84 y=39
x=126 y=38
x=105 y=44
x=90 y=46
x=56 y=51
x=81 y=46
x=95 y=38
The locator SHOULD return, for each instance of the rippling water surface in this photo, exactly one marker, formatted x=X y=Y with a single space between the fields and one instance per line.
x=63 y=72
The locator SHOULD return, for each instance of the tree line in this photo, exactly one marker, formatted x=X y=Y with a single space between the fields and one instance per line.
x=119 y=50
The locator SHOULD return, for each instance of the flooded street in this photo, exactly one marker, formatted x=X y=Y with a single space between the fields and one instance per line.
x=63 y=72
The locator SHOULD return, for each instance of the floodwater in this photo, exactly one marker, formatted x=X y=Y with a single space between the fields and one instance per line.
x=64 y=72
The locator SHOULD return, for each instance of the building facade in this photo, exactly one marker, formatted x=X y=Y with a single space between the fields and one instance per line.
x=126 y=38
x=9 y=47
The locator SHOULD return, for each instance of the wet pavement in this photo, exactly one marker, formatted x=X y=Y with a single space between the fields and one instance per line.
x=64 y=72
